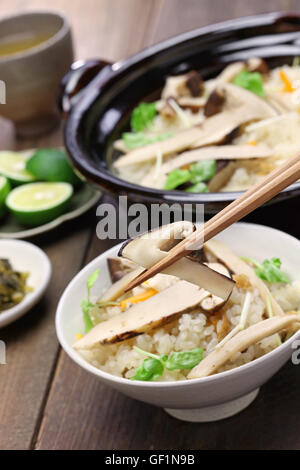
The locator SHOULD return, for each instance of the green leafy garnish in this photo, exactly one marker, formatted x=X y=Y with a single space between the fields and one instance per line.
x=139 y=139
x=184 y=359
x=176 y=178
x=197 y=173
x=269 y=270
x=251 y=81
x=86 y=305
x=91 y=281
x=153 y=366
x=198 y=188
x=151 y=369
x=142 y=116
x=202 y=171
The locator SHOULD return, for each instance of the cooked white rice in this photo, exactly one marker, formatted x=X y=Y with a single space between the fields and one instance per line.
x=192 y=330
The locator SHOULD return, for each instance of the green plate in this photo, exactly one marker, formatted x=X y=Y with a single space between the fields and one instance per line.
x=83 y=199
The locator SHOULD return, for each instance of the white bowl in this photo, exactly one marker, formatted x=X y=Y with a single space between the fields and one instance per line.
x=209 y=398
x=29 y=258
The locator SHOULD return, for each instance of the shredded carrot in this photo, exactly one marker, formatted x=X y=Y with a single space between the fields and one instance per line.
x=79 y=336
x=252 y=142
x=138 y=298
x=288 y=87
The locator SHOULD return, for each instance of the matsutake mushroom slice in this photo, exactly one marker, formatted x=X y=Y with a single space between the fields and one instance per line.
x=223 y=254
x=213 y=303
x=118 y=288
x=118 y=267
x=152 y=247
x=225 y=170
x=144 y=316
x=230 y=72
x=189 y=84
x=194 y=103
x=176 y=143
x=257 y=64
x=215 y=102
x=216 y=152
x=240 y=106
x=240 y=342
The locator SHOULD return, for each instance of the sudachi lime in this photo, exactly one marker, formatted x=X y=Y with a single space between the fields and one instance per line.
x=52 y=165
x=38 y=203
x=4 y=191
x=13 y=166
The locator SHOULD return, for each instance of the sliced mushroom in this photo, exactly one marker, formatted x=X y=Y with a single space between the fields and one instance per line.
x=139 y=318
x=190 y=84
x=194 y=83
x=220 y=152
x=257 y=64
x=120 y=146
x=241 y=106
x=231 y=71
x=176 y=143
x=213 y=303
x=192 y=103
x=152 y=247
x=118 y=267
x=214 y=102
x=235 y=264
x=185 y=102
x=165 y=109
x=225 y=170
x=118 y=288
x=240 y=342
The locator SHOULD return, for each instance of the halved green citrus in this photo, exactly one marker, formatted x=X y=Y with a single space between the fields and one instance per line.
x=38 y=203
x=13 y=166
x=52 y=164
x=4 y=190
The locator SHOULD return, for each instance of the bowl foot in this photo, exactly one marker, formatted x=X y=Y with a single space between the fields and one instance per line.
x=214 y=413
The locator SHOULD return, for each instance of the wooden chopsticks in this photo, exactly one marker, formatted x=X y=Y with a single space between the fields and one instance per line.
x=276 y=181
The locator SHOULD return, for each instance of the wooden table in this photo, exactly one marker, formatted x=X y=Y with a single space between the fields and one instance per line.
x=47 y=402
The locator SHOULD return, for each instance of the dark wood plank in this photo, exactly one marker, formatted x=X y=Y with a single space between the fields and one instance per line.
x=84 y=414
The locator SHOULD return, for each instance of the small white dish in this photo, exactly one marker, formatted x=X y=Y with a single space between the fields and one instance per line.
x=26 y=257
x=200 y=400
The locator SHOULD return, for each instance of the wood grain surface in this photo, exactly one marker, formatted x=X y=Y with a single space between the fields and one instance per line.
x=47 y=402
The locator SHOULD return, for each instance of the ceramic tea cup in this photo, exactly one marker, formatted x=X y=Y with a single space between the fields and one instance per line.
x=35 y=52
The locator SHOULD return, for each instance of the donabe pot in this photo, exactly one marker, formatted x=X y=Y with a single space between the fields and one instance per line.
x=98 y=97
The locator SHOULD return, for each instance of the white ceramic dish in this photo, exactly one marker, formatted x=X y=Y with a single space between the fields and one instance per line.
x=206 y=399
x=29 y=258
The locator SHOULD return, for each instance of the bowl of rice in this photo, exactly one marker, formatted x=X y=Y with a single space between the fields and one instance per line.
x=216 y=377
